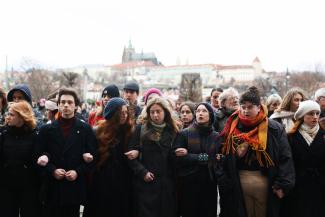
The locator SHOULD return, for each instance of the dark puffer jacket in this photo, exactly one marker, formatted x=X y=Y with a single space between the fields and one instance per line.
x=282 y=175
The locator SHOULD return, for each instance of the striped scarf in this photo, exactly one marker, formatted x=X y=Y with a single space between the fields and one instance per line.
x=256 y=138
x=195 y=132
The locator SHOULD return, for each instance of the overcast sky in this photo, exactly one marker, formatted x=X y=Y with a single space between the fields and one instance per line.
x=61 y=33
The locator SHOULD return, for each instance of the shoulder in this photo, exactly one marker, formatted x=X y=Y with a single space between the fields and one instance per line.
x=282 y=114
x=47 y=126
x=219 y=113
x=82 y=124
x=321 y=132
x=138 y=127
x=3 y=130
x=275 y=126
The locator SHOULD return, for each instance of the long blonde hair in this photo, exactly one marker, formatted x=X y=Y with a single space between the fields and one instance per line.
x=25 y=112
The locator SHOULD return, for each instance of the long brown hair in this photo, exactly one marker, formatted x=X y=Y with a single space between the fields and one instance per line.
x=106 y=134
x=4 y=101
x=286 y=102
x=295 y=127
x=169 y=120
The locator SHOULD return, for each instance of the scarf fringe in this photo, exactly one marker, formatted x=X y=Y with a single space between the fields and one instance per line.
x=255 y=138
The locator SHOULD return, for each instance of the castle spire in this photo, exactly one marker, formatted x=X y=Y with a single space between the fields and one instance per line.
x=130 y=43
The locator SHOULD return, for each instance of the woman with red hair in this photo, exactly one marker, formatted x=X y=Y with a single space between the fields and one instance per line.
x=19 y=184
x=110 y=189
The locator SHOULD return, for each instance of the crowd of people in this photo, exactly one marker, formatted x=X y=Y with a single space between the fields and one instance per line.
x=252 y=157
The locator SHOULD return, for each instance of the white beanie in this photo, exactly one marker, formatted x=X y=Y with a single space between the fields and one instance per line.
x=305 y=107
x=50 y=105
x=319 y=92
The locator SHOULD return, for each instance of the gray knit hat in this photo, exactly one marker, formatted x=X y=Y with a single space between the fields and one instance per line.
x=132 y=85
x=320 y=92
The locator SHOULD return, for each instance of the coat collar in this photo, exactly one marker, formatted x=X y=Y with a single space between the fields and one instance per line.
x=73 y=134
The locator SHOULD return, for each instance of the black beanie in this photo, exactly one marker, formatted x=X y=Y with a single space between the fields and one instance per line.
x=112 y=106
x=111 y=91
x=212 y=117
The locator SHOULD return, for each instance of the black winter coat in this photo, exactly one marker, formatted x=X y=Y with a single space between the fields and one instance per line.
x=307 y=199
x=208 y=143
x=18 y=158
x=110 y=191
x=20 y=181
x=197 y=186
x=156 y=198
x=281 y=175
x=222 y=116
x=66 y=153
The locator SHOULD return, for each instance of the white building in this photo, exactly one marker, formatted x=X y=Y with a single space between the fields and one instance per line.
x=240 y=73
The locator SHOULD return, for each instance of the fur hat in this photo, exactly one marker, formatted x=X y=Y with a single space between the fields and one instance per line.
x=305 y=107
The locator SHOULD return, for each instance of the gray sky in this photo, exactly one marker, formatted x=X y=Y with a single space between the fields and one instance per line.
x=61 y=33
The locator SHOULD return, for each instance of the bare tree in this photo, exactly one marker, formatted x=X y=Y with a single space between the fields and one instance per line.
x=264 y=85
x=308 y=81
x=41 y=83
x=70 y=78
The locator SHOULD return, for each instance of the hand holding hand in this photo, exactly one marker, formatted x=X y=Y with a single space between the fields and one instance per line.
x=59 y=174
x=149 y=177
x=278 y=192
x=87 y=157
x=181 y=152
x=133 y=154
x=42 y=160
x=71 y=175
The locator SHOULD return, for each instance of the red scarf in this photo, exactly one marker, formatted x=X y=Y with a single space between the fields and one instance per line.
x=256 y=138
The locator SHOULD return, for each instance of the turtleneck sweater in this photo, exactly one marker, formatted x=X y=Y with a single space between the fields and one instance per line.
x=66 y=125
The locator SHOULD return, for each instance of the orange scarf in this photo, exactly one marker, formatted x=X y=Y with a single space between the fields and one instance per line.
x=256 y=138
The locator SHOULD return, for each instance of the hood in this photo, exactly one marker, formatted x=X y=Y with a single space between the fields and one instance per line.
x=24 y=89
